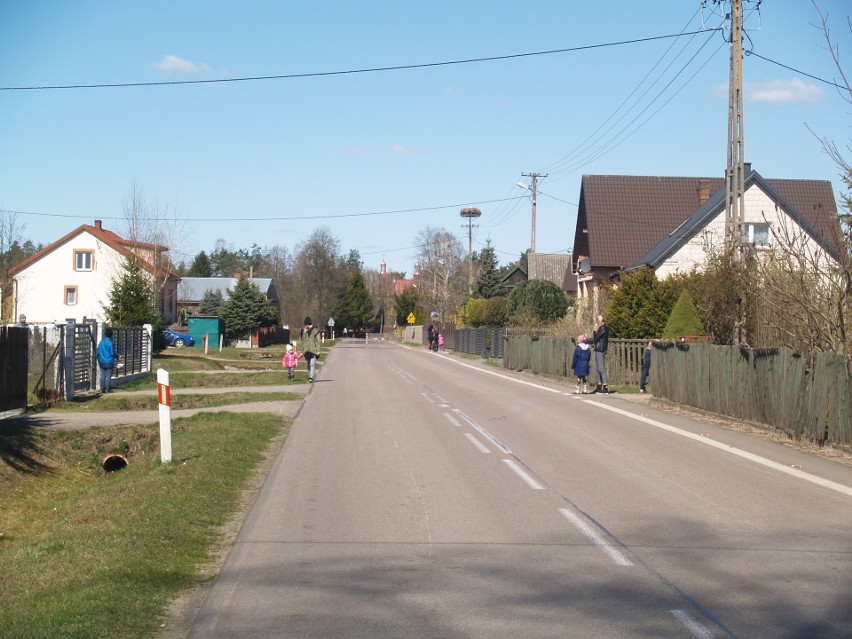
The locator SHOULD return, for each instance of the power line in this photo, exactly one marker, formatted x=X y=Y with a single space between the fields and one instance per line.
x=320 y=74
x=789 y=68
x=268 y=219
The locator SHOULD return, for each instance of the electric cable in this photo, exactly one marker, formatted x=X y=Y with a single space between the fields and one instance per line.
x=320 y=74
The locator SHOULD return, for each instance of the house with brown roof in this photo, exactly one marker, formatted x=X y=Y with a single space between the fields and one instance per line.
x=72 y=277
x=671 y=224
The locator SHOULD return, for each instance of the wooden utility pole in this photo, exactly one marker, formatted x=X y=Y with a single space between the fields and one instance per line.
x=734 y=174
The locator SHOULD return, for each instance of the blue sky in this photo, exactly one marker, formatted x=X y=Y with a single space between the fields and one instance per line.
x=396 y=150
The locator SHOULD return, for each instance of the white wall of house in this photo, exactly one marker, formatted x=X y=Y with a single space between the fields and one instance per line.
x=760 y=210
x=53 y=288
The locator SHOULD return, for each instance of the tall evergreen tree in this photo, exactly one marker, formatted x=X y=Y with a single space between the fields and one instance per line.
x=488 y=283
x=211 y=303
x=246 y=309
x=201 y=266
x=131 y=297
x=355 y=308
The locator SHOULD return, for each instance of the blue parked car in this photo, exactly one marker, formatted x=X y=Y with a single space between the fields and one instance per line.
x=178 y=340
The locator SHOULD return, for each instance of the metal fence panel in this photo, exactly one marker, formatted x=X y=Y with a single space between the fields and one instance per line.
x=14 y=354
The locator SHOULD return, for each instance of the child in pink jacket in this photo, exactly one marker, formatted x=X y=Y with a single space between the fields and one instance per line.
x=290 y=359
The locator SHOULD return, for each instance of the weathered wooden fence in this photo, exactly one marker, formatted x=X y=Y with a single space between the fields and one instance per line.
x=807 y=396
x=552 y=356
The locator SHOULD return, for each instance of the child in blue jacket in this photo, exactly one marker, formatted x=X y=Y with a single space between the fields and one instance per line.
x=580 y=363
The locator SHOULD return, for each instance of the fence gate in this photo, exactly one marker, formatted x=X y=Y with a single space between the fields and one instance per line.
x=85 y=361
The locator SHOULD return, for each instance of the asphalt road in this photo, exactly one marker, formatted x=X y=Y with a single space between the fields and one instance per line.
x=420 y=495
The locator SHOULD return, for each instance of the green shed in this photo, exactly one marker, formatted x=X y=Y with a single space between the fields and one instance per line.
x=200 y=325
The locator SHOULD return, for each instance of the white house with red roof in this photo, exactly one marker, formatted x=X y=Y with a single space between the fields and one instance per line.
x=72 y=277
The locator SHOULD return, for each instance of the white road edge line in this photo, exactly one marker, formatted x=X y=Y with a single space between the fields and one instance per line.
x=479 y=445
x=599 y=541
x=819 y=481
x=520 y=472
x=427 y=398
x=694 y=628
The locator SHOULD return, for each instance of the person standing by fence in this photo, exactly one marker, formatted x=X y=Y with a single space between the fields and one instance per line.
x=601 y=344
x=580 y=364
x=106 y=360
x=646 y=367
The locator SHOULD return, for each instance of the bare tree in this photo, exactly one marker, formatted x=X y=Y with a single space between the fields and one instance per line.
x=281 y=265
x=11 y=233
x=156 y=230
x=804 y=295
x=442 y=276
x=318 y=275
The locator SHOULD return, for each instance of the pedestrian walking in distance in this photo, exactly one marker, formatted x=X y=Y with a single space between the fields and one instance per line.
x=601 y=343
x=311 y=347
x=290 y=360
x=580 y=364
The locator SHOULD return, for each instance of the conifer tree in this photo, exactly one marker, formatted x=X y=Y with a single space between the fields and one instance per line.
x=131 y=298
x=246 y=309
x=488 y=284
x=355 y=307
x=211 y=303
x=684 y=319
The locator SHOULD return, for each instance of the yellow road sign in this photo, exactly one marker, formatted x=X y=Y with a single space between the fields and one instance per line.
x=410 y=319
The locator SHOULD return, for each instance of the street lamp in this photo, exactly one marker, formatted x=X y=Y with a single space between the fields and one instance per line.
x=470 y=213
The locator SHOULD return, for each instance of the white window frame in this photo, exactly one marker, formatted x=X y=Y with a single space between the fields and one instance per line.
x=751 y=233
x=75 y=292
x=80 y=260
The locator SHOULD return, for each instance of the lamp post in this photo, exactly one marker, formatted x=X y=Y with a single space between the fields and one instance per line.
x=470 y=213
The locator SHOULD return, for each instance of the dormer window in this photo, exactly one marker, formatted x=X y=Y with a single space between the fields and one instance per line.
x=84 y=260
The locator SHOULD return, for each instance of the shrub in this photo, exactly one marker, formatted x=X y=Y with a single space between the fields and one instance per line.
x=545 y=300
x=684 y=319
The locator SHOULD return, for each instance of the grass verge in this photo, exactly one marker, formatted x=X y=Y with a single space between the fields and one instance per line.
x=113 y=403
x=205 y=380
x=88 y=554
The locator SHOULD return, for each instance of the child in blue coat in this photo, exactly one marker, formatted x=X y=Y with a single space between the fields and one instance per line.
x=580 y=363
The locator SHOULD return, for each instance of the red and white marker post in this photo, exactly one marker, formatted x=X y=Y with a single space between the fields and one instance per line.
x=164 y=399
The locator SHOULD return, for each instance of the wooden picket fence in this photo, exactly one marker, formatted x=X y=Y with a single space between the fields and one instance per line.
x=809 y=397
x=552 y=356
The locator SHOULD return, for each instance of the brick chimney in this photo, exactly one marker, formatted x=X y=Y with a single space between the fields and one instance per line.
x=703 y=190
x=99 y=225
